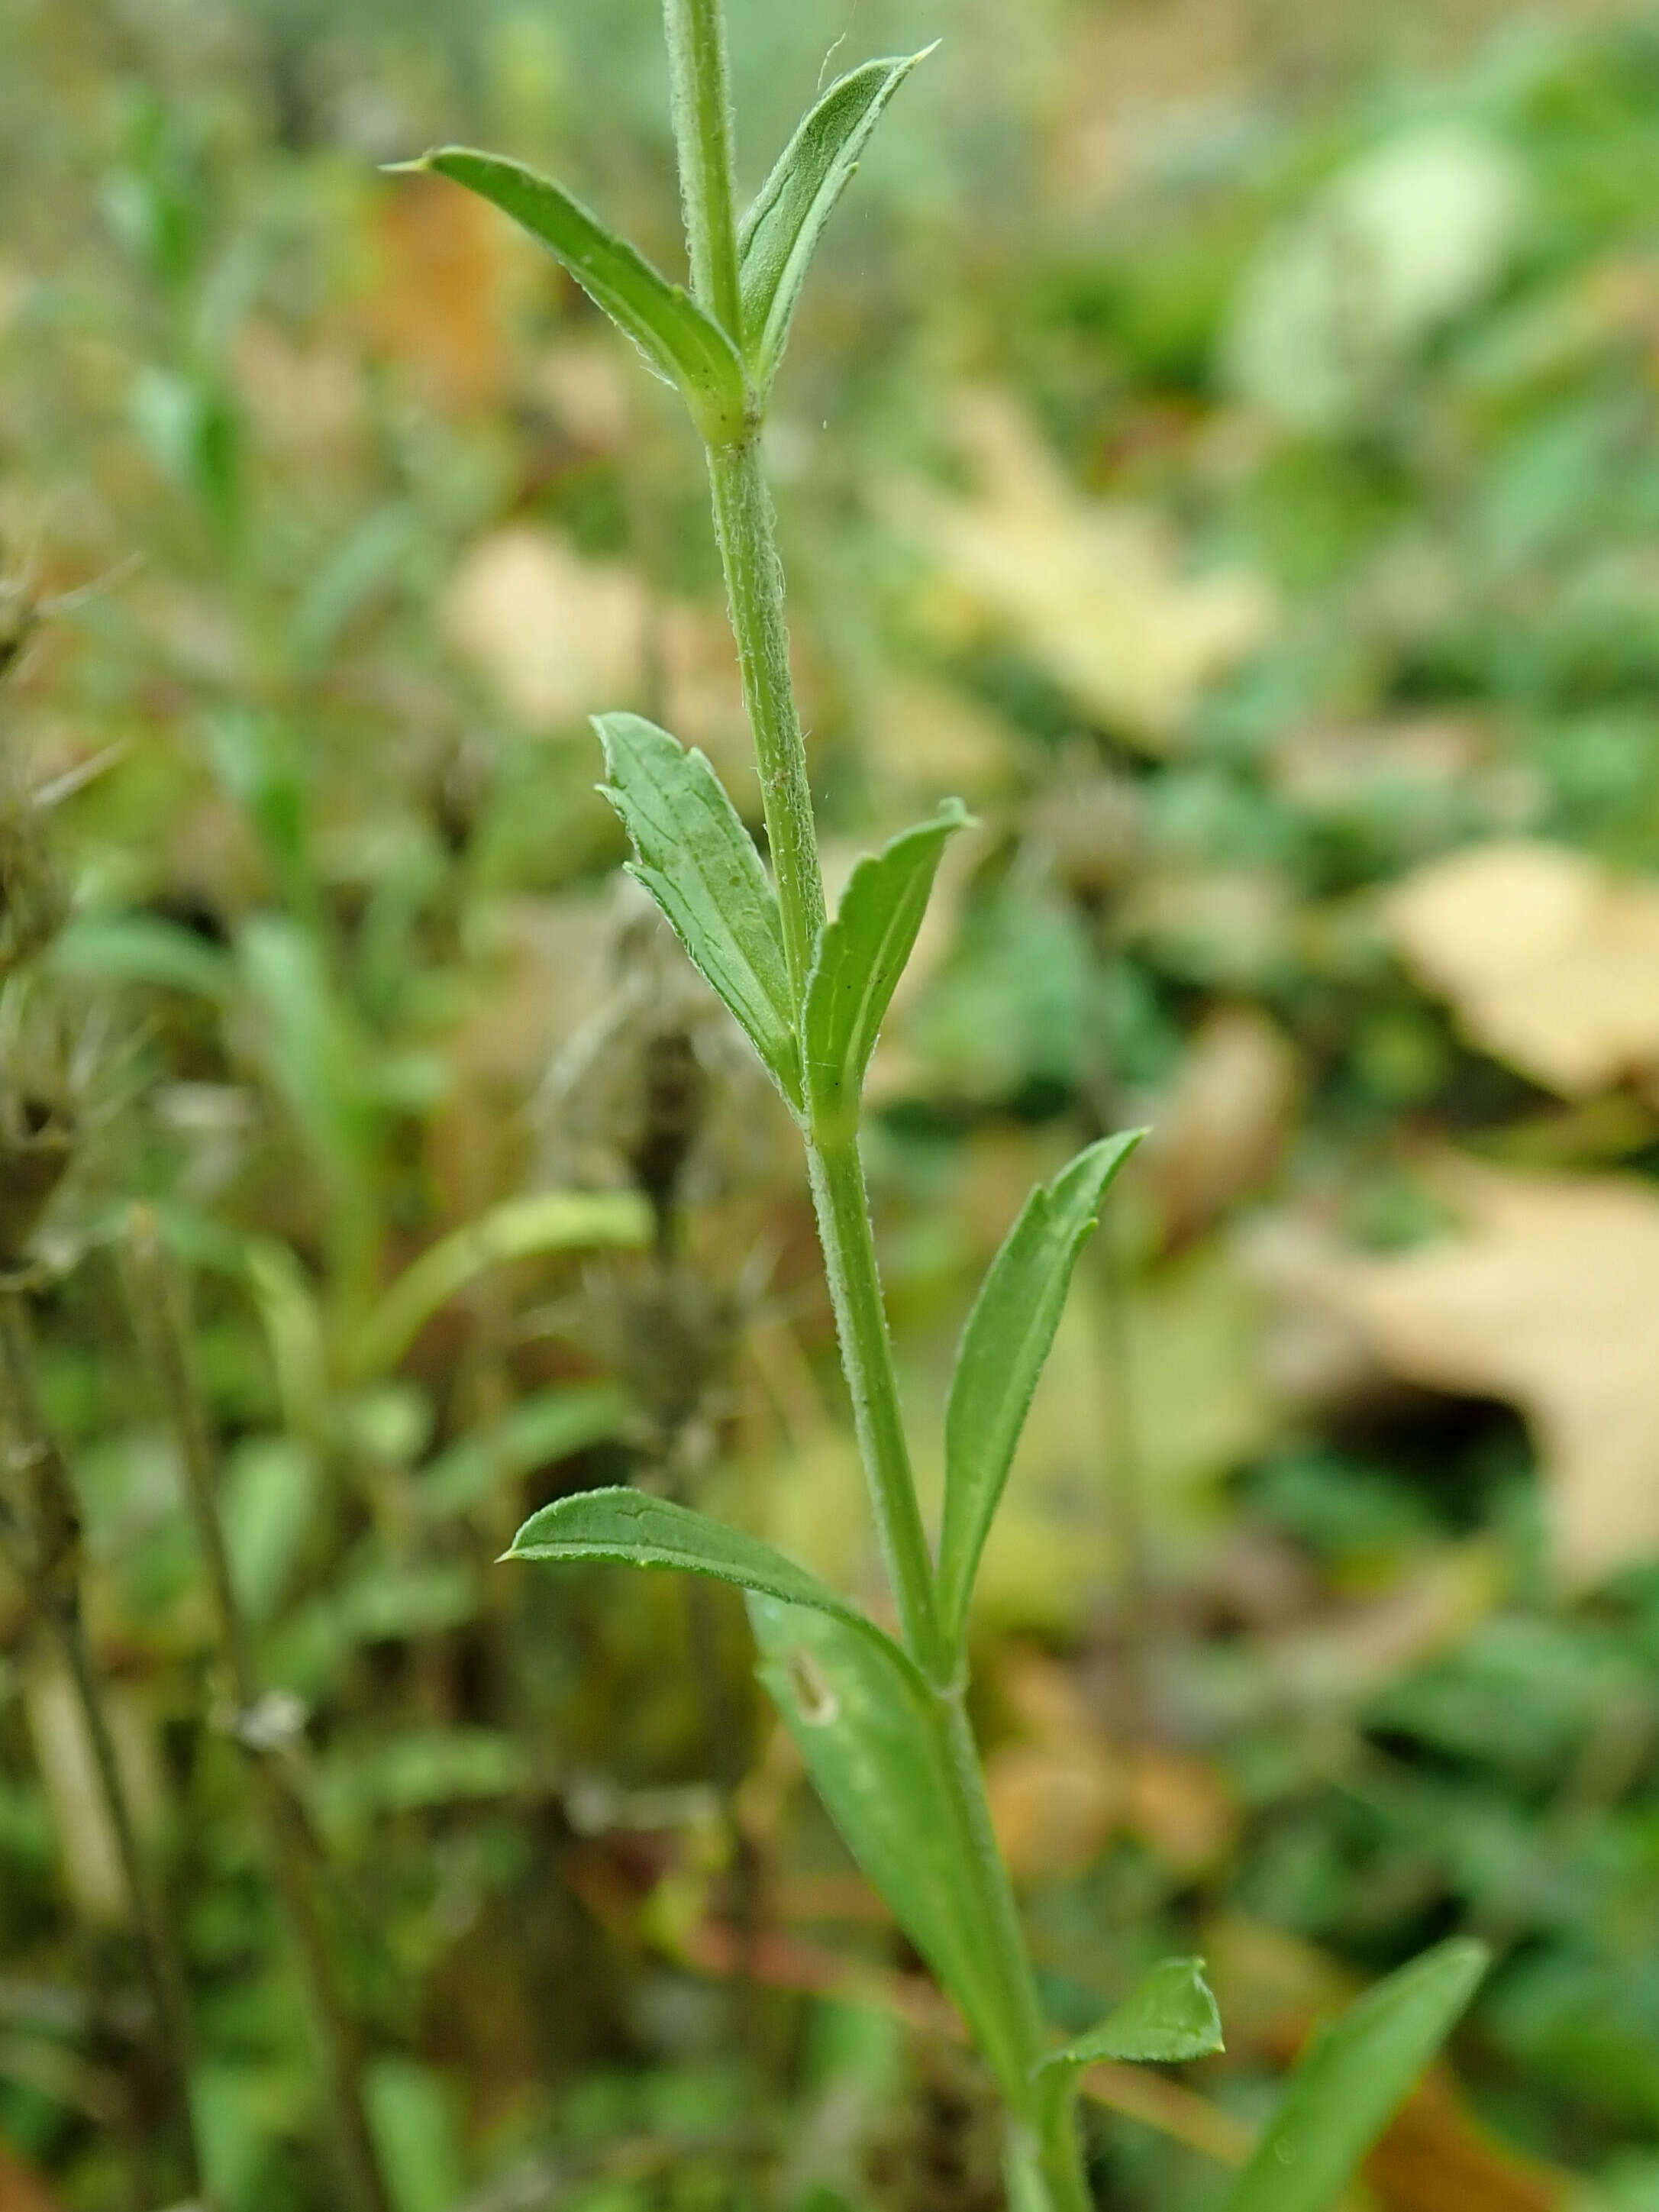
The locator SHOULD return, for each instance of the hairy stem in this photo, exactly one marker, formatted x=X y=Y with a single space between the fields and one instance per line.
x=746 y=529
x=701 y=93
x=866 y=1352
x=157 y=1302
x=40 y=1523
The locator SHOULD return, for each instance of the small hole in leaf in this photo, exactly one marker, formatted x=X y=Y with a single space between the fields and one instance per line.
x=819 y=1703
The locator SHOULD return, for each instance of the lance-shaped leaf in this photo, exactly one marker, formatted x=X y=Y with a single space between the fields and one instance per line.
x=861 y=955
x=1171 y=2016
x=1347 y=2083
x=700 y=865
x=779 y=232
x=684 y=345
x=1003 y=1348
x=872 y=1740
x=631 y=1528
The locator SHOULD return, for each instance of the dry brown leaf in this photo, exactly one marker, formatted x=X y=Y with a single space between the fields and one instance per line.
x=1094 y=593
x=21 y=2189
x=1549 y=960
x=558 y=638
x=436 y=306
x=1435 y=2157
x=1218 y=1134
x=1065 y=1789
x=1549 y=1303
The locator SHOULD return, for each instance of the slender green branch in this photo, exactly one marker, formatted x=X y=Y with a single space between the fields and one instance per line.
x=701 y=91
x=746 y=530
x=40 y=1523
x=849 y=1259
x=157 y=1302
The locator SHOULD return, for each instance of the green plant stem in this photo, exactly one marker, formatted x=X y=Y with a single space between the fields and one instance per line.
x=41 y=1525
x=700 y=89
x=746 y=529
x=866 y=1352
x=157 y=1302
x=1045 y=2167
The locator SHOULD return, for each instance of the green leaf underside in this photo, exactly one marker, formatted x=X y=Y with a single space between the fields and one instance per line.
x=1003 y=1347
x=681 y=344
x=778 y=236
x=862 y=953
x=864 y=1722
x=1350 y=2080
x=629 y=1528
x=700 y=865
x=1171 y=2016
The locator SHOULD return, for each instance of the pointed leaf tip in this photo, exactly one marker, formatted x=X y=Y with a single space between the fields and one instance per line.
x=700 y=864
x=861 y=958
x=1001 y=1356
x=782 y=228
x=1171 y=2016
x=680 y=341
x=630 y=1528
x=1351 y=2078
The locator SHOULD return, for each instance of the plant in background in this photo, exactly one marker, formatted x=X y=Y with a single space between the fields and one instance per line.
x=880 y=1721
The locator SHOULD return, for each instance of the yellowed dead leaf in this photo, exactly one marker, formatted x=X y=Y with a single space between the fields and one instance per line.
x=1094 y=593
x=1218 y=1135
x=1062 y=1791
x=88 y=1853
x=1547 y=1303
x=1549 y=960
x=437 y=305
x=558 y=638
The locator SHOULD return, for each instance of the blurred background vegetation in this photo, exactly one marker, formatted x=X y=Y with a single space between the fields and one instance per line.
x=1222 y=443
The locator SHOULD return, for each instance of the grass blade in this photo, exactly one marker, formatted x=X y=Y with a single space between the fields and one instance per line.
x=1349 y=2079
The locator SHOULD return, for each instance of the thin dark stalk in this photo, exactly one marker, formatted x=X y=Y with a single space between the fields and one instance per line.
x=161 y=1320
x=40 y=1525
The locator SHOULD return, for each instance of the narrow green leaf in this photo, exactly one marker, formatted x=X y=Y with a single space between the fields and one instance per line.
x=634 y=1530
x=678 y=341
x=861 y=955
x=779 y=233
x=550 y=1221
x=700 y=865
x=1003 y=1348
x=1351 y=2078
x=869 y=1731
x=142 y=948
x=1171 y=2016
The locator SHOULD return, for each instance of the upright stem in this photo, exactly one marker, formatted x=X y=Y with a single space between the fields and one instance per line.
x=159 y=1317
x=867 y=1350
x=41 y=1525
x=746 y=528
x=701 y=92
x=1045 y=2168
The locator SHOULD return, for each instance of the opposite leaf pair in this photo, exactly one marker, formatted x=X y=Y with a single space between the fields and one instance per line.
x=725 y=375
x=700 y=864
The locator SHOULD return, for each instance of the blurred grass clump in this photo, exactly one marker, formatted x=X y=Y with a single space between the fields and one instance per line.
x=1276 y=579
